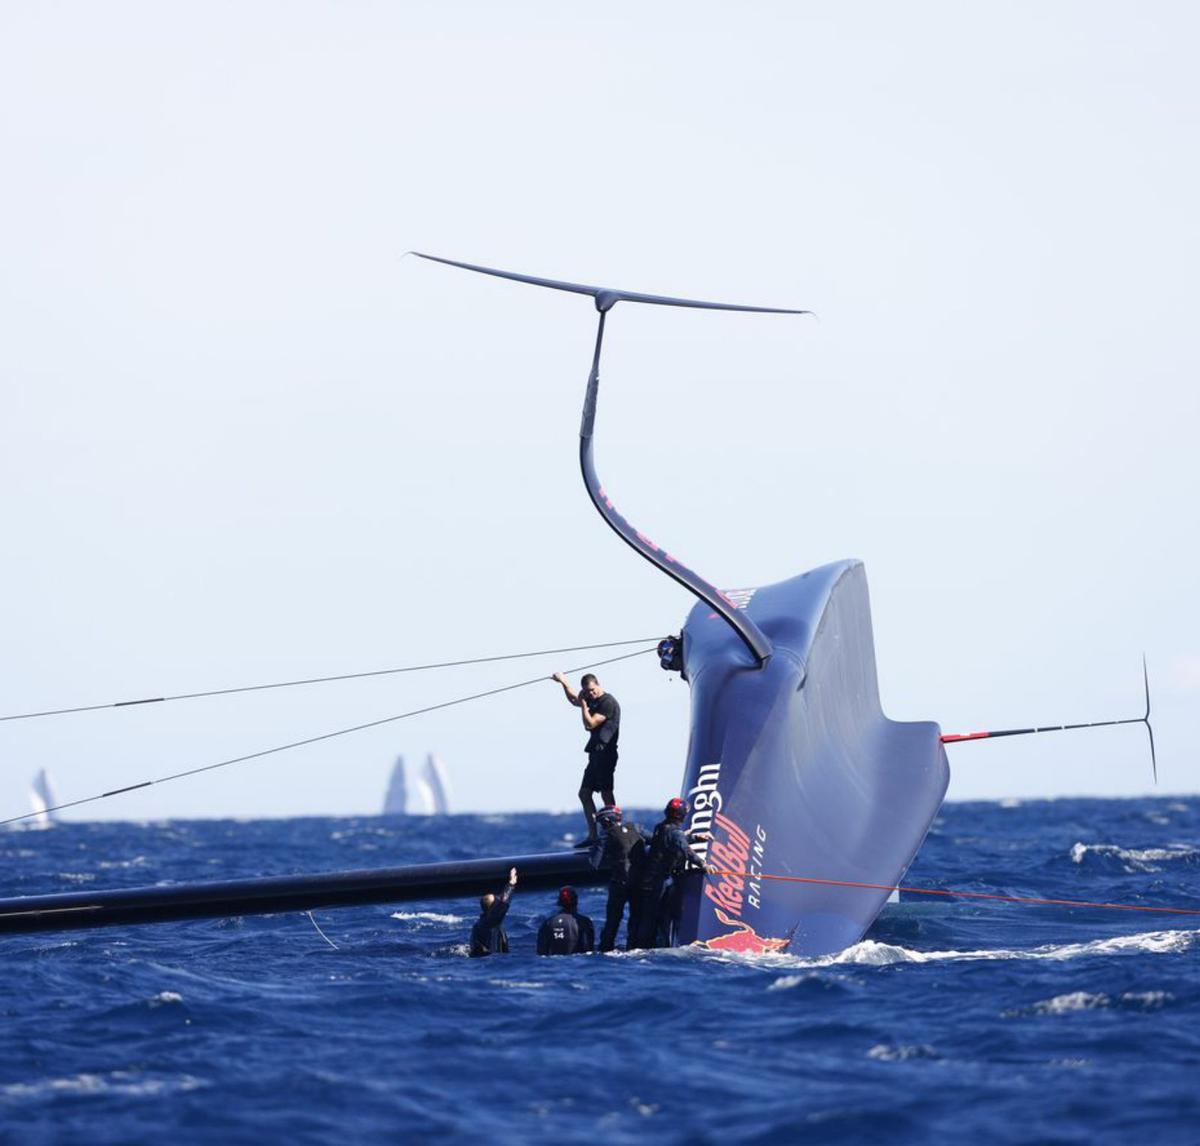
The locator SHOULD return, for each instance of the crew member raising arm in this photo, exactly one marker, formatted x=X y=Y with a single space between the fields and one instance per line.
x=602 y=718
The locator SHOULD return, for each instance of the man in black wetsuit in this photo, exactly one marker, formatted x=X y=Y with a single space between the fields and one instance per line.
x=622 y=849
x=668 y=857
x=487 y=935
x=566 y=932
x=602 y=718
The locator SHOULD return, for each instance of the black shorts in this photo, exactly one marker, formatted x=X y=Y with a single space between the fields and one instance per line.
x=598 y=775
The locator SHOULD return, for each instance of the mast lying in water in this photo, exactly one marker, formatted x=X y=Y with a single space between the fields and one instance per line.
x=284 y=893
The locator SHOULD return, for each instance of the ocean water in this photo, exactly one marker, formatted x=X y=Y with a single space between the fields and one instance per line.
x=953 y=1020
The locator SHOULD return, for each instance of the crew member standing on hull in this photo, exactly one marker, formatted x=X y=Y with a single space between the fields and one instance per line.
x=487 y=935
x=622 y=849
x=656 y=906
x=602 y=718
x=566 y=932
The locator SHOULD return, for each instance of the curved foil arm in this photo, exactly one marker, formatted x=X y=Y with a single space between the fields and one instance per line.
x=752 y=636
x=605 y=299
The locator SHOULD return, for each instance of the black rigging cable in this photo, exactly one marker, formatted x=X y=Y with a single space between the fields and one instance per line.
x=316 y=739
x=320 y=679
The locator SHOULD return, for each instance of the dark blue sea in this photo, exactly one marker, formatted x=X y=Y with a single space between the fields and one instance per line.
x=954 y=1020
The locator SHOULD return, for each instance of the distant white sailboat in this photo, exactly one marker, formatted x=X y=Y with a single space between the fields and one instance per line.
x=395 y=802
x=423 y=792
x=41 y=800
x=438 y=783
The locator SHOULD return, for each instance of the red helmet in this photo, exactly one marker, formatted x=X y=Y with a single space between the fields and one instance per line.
x=568 y=898
x=610 y=813
x=676 y=809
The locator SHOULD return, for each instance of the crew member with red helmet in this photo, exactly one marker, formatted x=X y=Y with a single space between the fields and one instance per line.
x=669 y=857
x=566 y=932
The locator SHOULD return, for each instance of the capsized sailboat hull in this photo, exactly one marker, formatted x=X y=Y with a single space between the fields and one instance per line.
x=269 y=896
x=795 y=770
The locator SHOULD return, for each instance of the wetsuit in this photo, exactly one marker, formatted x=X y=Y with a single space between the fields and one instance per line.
x=487 y=935
x=668 y=857
x=601 y=746
x=622 y=851
x=566 y=933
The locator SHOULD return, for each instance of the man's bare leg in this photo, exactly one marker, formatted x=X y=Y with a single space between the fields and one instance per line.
x=610 y=801
x=589 y=811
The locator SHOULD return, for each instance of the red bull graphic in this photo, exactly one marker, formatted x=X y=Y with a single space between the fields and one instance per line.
x=738 y=861
x=743 y=940
x=730 y=857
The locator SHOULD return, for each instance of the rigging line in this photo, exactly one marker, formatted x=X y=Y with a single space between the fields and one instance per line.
x=320 y=932
x=949 y=893
x=320 y=680
x=316 y=739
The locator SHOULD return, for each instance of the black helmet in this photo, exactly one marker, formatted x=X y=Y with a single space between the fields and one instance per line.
x=676 y=810
x=568 y=898
x=609 y=814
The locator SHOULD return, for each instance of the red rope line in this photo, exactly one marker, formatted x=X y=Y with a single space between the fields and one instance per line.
x=1029 y=900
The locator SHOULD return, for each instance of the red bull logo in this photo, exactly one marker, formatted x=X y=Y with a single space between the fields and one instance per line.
x=730 y=855
x=737 y=861
x=743 y=940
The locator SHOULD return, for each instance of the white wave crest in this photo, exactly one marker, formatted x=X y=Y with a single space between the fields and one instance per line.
x=1147 y=1000
x=137 y=861
x=886 y=1052
x=1075 y=1001
x=1135 y=859
x=872 y=953
x=1087 y=1001
x=427 y=917
x=125 y=1082
x=784 y=982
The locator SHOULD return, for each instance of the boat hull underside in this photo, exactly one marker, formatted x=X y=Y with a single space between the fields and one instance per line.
x=795 y=770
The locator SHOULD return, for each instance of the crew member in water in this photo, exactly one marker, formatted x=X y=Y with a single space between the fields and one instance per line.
x=602 y=718
x=487 y=935
x=622 y=849
x=566 y=932
x=658 y=896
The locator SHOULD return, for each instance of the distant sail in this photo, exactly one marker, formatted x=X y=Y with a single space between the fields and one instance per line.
x=395 y=803
x=438 y=784
x=424 y=792
x=41 y=800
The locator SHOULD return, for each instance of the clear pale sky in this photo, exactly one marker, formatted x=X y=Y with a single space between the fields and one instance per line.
x=242 y=440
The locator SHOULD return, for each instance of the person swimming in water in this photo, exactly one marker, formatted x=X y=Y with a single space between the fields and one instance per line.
x=566 y=932
x=487 y=935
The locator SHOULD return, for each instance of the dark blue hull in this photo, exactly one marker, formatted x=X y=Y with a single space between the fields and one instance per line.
x=796 y=771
